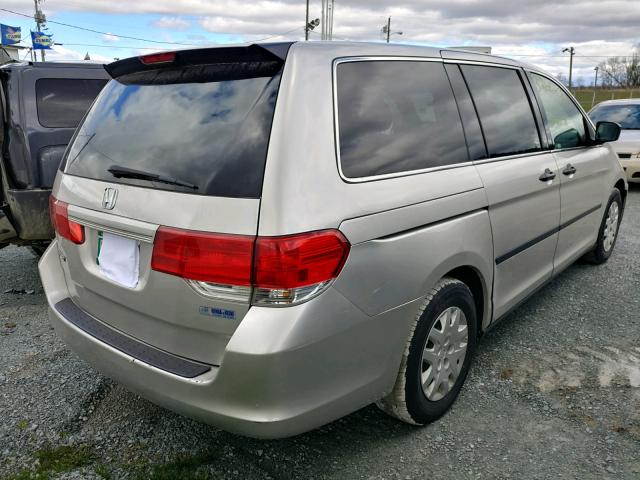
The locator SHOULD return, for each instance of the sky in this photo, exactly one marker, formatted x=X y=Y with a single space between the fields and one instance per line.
x=535 y=31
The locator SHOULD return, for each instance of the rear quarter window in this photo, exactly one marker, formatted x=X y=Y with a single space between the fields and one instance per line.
x=62 y=102
x=395 y=117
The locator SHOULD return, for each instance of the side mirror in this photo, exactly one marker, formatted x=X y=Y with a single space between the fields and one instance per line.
x=568 y=139
x=607 y=132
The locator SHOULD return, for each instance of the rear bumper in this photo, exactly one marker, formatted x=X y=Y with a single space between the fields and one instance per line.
x=280 y=375
x=632 y=169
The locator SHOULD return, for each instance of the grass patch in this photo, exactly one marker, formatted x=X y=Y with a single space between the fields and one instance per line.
x=103 y=472
x=22 y=424
x=51 y=460
x=184 y=468
x=586 y=95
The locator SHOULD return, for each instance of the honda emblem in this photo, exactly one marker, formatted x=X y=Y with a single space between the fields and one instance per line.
x=109 y=198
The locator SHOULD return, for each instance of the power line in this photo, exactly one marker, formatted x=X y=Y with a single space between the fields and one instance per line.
x=257 y=40
x=277 y=35
x=133 y=47
x=98 y=31
x=136 y=38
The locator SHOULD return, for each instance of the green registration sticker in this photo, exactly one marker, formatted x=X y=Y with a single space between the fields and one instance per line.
x=99 y=247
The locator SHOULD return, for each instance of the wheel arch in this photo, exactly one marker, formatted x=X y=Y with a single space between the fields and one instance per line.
x=622 y=187
x=473 y=279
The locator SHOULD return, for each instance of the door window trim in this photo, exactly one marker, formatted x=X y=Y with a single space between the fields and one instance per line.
x=336 y=126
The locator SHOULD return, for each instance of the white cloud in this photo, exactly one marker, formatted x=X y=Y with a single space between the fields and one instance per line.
x=541 y=28
x=174 y=23
x=110 y=38
x=60 y=53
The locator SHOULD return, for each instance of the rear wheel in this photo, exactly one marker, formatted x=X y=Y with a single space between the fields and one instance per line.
x=437 y=355
x=38 y=249
x=608 y=233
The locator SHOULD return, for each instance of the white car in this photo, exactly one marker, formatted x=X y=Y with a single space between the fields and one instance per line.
x=627 y=114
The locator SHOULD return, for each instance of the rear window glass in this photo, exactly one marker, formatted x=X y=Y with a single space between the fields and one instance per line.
x=205 y=138
x=396 y=116
x=504 y=110
x=62 y=102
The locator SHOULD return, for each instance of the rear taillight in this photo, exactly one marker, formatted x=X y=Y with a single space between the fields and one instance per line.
x=58 y=211
x=208 y=257
x=295 y=268
x=280 y=270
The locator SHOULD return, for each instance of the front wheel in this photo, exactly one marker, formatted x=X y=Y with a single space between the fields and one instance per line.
x=437 y=355
x=608 y=233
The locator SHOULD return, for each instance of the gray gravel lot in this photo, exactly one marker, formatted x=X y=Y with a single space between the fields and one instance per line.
x=554 y=393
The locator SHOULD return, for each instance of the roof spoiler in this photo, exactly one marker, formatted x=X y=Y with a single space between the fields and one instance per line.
x=203 y=64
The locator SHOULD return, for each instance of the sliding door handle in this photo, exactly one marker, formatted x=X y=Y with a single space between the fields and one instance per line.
x=547 y=175
x=569 y=170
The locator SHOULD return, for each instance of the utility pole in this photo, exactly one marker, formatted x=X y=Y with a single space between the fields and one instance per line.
x=327 y=20
x=309 y=25
x=572 y=52
x=40 y=19
x=306 y=24
x=388 y=29
x=595 y=86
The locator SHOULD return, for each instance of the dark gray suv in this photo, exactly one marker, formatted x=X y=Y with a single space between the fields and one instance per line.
x=41 y=105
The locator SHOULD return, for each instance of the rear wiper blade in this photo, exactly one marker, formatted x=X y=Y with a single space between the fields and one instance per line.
x=124 y=172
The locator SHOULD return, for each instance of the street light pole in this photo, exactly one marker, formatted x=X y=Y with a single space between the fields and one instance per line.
x=306 y=24
x=572 y=52
x=388 y=29
x=595 y=85
x=39 y=21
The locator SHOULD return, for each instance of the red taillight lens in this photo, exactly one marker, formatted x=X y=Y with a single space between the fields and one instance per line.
x=66 y=228
x=155 y=58
x=209 y=257
x=299 y=260
x=283 y=270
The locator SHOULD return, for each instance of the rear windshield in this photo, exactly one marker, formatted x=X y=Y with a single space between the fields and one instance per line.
x=207 y=138
x=628 y=116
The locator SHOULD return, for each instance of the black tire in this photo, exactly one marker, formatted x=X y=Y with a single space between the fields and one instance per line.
x=38 y=249
x=407 y=401
x=600 y=254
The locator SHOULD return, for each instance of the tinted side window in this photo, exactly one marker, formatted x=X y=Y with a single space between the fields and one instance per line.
x=503 y=106
x=396 y=116
x=562 y=117
x=62 y=102
x=472 y=131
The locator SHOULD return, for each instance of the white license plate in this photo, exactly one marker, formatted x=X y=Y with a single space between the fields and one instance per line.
x=119 y=259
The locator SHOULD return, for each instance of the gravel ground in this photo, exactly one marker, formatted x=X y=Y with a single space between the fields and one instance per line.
x=554 y=392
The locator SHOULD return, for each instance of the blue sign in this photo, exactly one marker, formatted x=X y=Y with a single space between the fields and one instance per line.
x=41 y=41
x=10 y=35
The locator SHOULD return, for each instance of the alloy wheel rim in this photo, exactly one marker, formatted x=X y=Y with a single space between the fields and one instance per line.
x=444 y=353
x=611 y=226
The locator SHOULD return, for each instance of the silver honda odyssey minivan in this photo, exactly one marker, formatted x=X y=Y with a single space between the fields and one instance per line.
x=269 y=237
